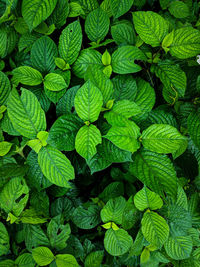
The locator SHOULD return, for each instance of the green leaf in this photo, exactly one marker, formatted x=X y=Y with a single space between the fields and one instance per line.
x=123 y=59
x=4 y=240
x=54 y=82
x=117 y=242
x=36 y=11
x=55 y=166
x=14 y=196
x=186 y=43
x=113 y=210
x=173 y=79
x=4 y=148
x=26 y=114
x=123 y=33
x=43 y=52
x=121 y=111
x=193 y=123
x=63 y=260
x=42 y=255
x=60 y=14
x=5 y=88
x=162 y=138
x=86 y=218
x=97 y=25
x=27 y=75
x=87 y=138
x=125 y=137
x=155 y=171
x=154 y=228
x=150 y=26
x=145 y=198
x=94 y=259
x=88 y=102
x=87 y=58
x=63 y=132
x=179 y=9
x=25 y=259
x=70 y=42
x=119 y=8
x=178 y=247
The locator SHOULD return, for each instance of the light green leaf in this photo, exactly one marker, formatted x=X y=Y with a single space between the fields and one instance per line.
x=54 y=82
x=162 y=138
x=55 y=166
x=179 y=247
x=87 y=58
x=150 y=26
x=5 y=88
x=145 y=198
x=113 y=210
x=125 y=137
x=155 y=171
x=42 y=255
x=36 y=11
x=154 y=228
x=4 y=148
x=194 y=127
x=4 y=240
x=27 y=75
x=174 y=80
x=63 y=132
x=123 y=59
x=186 y=43
x=25 y=259
x=94 y=259
x=121 y=111
x=26 y=114
x=97 y=25
x=63 y=260
x=119 y=8
x=123 y=33
x=43 y=52
x=179 y=9
x=70 y=42
x=32 y=216
x=87 y=138
x=86 y=218
x=88 y=102
x=14 y=196
x=117 y=242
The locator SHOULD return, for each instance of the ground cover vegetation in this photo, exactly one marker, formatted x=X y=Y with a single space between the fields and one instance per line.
x=99 y=133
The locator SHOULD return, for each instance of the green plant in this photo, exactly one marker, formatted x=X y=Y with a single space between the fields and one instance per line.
x=99 y=133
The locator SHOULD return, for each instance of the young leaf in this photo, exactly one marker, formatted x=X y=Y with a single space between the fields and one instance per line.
x=26 y=114
x=70 y=42
x=55 y=166
x=5 y=88
x=162 y=138
x=4 y=148
x=87 y=138
x=42 y=255
x=150 y=26
x=88 y=102
x=54 y=82
x=27 y=75
x=97 y=25
x=154 y=228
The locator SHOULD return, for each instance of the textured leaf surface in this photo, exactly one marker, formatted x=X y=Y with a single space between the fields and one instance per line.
x=125 y=87
x=194 y=127
x=5 y=88
x=42 y=256
x=145 y=198
x=179 y=9
x=27 y=75
x=70 y=42
x=123 y=33
x=154 y=228
x=123 y=59
x=54 y=82
x=63 y=260
x=119 y=8
x=117 y=242
x=186 y=43
x=87 y=138
x=150 y=26
x=35 y=11
x=55 y=166
x=4 y=240
x=95 y=258
x=155 y=171
x=26 y=114
x=43 y=52
x=88 y=102
x=97 y=25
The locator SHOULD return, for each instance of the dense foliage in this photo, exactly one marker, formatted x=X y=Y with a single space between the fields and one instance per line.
x=99 y=133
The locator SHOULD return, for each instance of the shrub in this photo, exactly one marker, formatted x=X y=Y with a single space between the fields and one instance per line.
x=100 y=133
